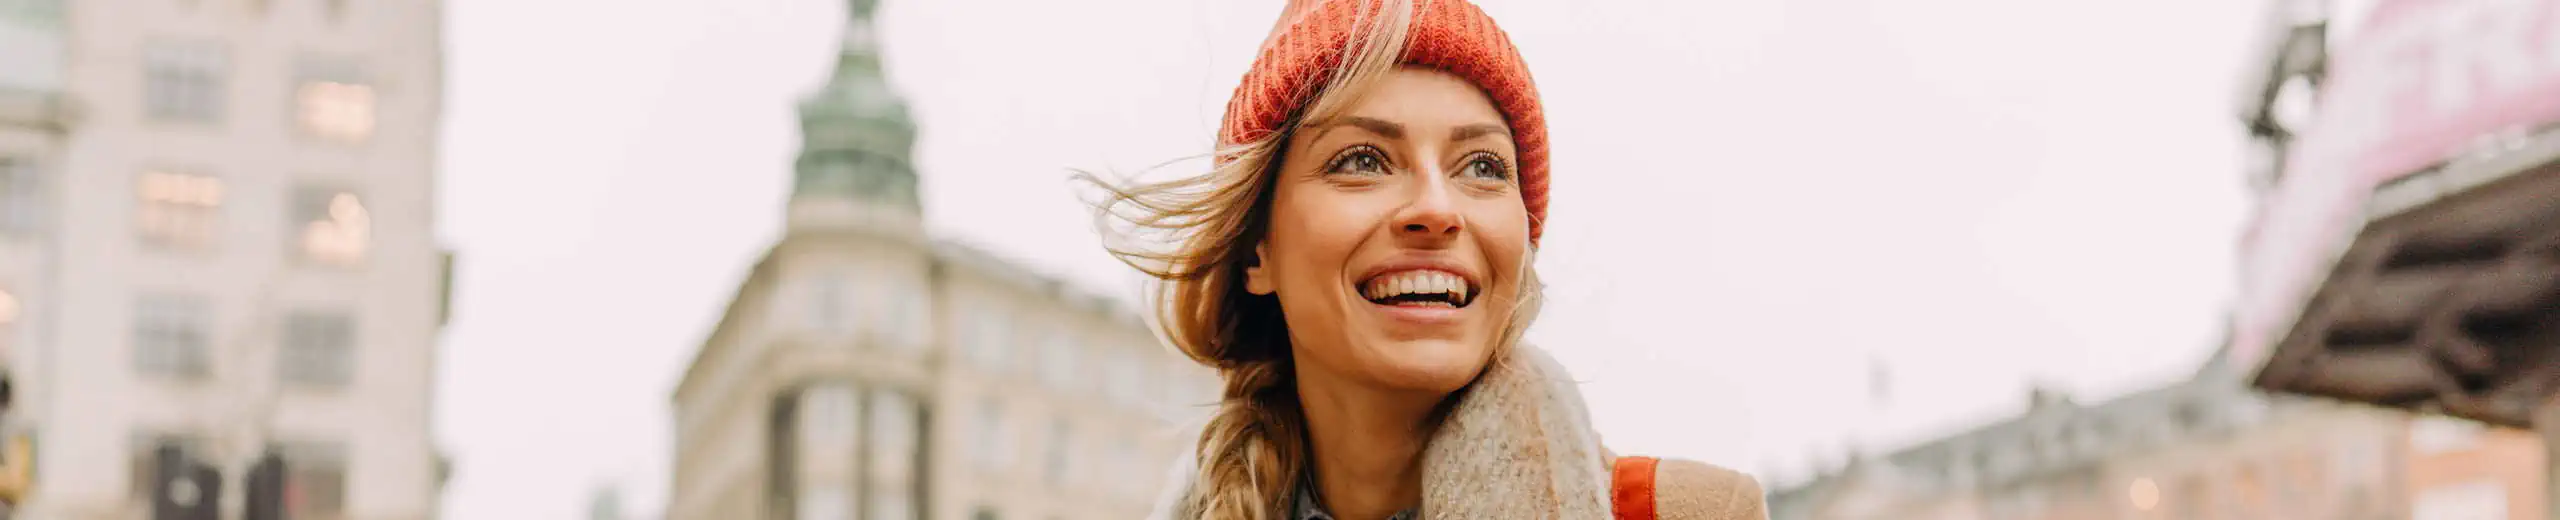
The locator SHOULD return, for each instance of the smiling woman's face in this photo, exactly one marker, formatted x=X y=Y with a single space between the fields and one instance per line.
x=1396 y=236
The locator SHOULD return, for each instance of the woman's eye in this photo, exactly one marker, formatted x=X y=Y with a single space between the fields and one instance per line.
x=1362 y=161
x=1488 y=168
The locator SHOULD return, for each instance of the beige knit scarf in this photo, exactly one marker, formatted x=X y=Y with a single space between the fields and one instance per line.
x=1518 y=445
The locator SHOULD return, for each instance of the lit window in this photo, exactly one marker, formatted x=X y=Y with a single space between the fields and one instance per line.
x=21 y=196
x=319 y=349
x=2432 y=435
x=178 y=210
x=183 y=82
x=8 y=308
x=2475 y=500
x=334 y=102
x=331 y=226
x=171 y=333
x=2144 y=494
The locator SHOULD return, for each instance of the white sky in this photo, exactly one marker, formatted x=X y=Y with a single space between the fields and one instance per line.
x=1754 y=199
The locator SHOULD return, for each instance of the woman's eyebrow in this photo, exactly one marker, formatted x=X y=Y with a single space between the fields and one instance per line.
x=1466 y=132
x=1382 y=127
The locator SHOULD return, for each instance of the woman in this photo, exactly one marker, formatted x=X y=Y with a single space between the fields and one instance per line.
x=1357 y=267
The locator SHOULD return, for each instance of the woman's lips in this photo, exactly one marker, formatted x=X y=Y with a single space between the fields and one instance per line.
x=1418 y=297
x=1419 y=314
x=1418 y=288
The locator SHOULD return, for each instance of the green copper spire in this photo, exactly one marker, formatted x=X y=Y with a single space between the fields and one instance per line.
x=856 y=138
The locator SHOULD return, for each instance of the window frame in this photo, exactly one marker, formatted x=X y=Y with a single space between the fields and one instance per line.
x=185 y=321
x=314 y=203
x=303 y=459
x=302 y=363
x=312 y=70
x=186 y=81
x=191 y=226
x=25 y=207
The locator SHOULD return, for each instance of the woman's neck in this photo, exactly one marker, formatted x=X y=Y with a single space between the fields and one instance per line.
x=1367 y=445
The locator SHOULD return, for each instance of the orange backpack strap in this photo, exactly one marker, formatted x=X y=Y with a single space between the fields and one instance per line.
x=1631 y=488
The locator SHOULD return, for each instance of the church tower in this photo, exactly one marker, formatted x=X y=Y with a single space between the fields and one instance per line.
x=866 y=369
x=856 y=167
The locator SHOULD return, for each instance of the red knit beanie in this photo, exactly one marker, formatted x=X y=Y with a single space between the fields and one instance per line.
x=1448 y=35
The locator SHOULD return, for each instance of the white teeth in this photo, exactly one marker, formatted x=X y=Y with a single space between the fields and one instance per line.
x=1417 y=282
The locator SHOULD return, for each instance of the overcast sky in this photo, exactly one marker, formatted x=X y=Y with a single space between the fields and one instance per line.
x=1756 y=201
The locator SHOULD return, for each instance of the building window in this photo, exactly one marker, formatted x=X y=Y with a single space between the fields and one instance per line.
x=895 y=420
x=9 y=310
x=2476 y=500
x=830 y=305
x=170 y=335
x=319 y=348
x=184 y=82
x=315 y=482
x=893 y=507
x=178 y=210
x=22 y=201
x=1059 y=453
x=994 y=451
x=2433 y=435
x=818 y=459
x=825 y=503
x=828 y=414
x=903 y=313
x=1123 y=461
x=1058 y=357
x=1124 y=375
x=989 y=339
x=333 y=101
x=330 y=226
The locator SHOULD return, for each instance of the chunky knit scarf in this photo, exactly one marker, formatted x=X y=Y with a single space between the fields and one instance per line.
x=1518 y=445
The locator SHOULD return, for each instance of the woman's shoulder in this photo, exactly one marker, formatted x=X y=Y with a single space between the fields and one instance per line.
x=1691 y=490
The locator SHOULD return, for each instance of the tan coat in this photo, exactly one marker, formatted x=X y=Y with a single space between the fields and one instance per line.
x=1690 y=490
x=1519 y=444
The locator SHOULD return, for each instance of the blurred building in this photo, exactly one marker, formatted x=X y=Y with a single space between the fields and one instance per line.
x=605 y=505
x=2406 y=250
x=2406 y=247
x=2205 y=448
x=216 y=233
x=2459 y=468
x=865 y=369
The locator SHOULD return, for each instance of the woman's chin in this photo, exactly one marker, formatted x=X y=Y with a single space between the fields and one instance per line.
x=1436 y=366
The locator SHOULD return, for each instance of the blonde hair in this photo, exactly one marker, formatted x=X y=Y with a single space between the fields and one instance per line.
x=1253 y=451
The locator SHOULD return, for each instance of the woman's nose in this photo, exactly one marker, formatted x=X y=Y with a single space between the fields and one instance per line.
x=1430 y=214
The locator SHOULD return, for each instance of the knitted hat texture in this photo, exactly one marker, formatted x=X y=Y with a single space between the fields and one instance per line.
x=1449 y=35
